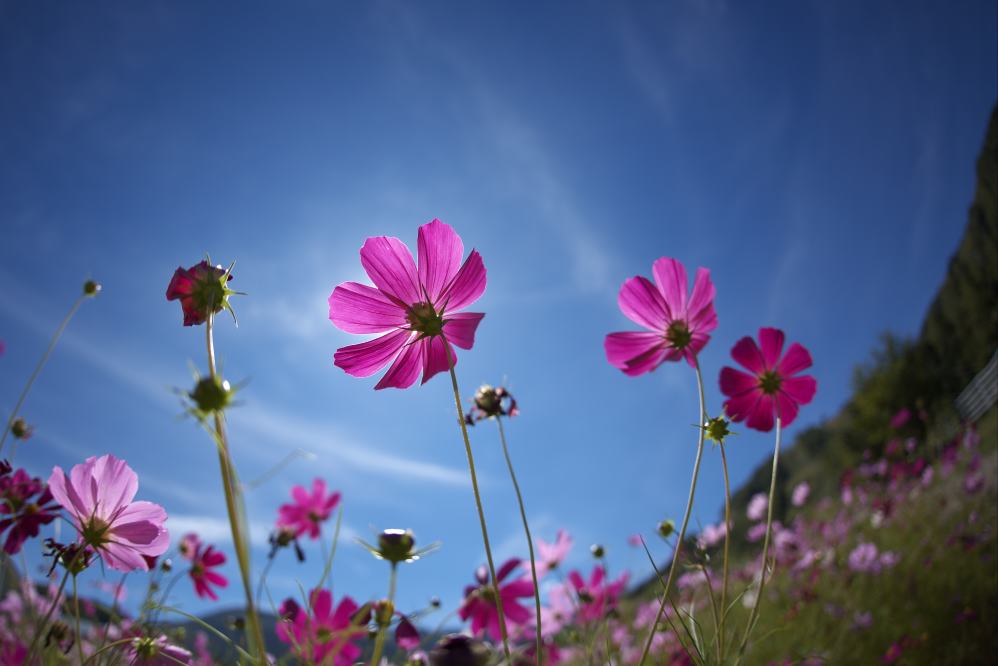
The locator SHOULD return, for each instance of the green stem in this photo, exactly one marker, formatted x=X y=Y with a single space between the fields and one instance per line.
x=686 y=519
x=48 y=613
x=379 y=642
x=727 y=542
x=530 y=541
x=478 y=502
x=76 y=612
x=231 y=504
x=38 y=369
x=765 y=547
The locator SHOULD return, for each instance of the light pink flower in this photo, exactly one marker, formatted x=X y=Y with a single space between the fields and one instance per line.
x=479 y=601
x=149 y=651
x=711 y=536
x=800 y=493
x=757 y=507
x=865 y=558
x=98 y=496
x=416 y=308
x=771 y=386
x=308 y=511
x=550 y=555
x=189 y=544
x=677 y=325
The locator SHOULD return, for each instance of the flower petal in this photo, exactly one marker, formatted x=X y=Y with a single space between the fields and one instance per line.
x=788 y=408
x=796 y=359
x=437 y=357
x=701 y=305
x=747 y=353
x=641 y=302
x=459 y=328
x=404 y=371
x=366 y=358
x=801 y=389
x=357 y=308
x=771 y=343
x=739 y=407
x=439 y=250
x=117 y=484
x=761 y=417
x=123 y=557
x=322 y=604
x=622 y=348
x=735 y=382
x=508 y=567
x=467 y=285
x=389 y=264
x=670 y=276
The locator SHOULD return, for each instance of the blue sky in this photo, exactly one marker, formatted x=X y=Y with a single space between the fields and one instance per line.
x=817 y=157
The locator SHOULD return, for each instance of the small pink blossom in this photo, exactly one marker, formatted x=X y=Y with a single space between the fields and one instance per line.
x=326 y=629
x=677 y=325
x=203 y=562
x=596 y=596
x=479 y=603
x=711 y=536
x=98 y=496
x=901 y=417
x=550 y=555
x=308 y=511
x=757 y=507
x=189 y=544
x=772 y=389
x=635 y=540
x=415 y=307
x=800 y=494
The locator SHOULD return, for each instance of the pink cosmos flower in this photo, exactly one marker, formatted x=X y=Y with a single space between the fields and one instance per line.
x=189 y=545
x=21 y=511
x=202 y=563
x=480 y=606
x=757 y=507
x=550 y=555
x=327 y=629
x=416 y=308
x=201 y=290
x=98 y=496
x=800 y=493
x=771 y=389
x=596 y=596
x=711 y=536
x=158 y=651
x=308 y=511
x=677 y=326
x=864 y=558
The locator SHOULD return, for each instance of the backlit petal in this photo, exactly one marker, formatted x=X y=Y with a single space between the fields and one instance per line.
x=366 y=358
x=641 y=302
x=771 y=344
x=357 y=308
x=459 y=328
x=466 y=287
x=670 y=276
x=439 y=251
x=389 y=264
x=406 y=368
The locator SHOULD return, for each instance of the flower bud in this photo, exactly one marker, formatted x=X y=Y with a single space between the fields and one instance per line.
x=20 y=429
x=211 y=395
x=166 y=565
x=383 y=612
x=666 y=528
x=396 y=545
x=459 y=650
x=435 y=602
x=717 y=429
x=597 y=551
x=91 y=288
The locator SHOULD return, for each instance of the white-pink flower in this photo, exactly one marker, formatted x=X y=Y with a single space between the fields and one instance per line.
x=98 y=497
x=757 y=507
x=800 y=494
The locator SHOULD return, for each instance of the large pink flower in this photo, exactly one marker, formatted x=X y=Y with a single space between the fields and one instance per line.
x=416 y=308
x=308 y=511
x=98 y=496
x=480 y=604
x=771 y=386
x=677 y=325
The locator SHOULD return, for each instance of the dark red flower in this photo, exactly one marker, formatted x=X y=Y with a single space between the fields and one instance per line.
x=201 y=289
x=25 y=504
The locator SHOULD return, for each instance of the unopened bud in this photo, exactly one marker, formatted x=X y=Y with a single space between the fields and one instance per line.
x=20 y=429
x=91 y=288
x=383 y=612
x=597 y=551
x=211 y=395
x=459 y=650
x=396 y=545
x=666 y=528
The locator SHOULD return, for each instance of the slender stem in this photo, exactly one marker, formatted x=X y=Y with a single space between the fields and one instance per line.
x=379 y=642
x=38 y=369
x=478 y=502
x=765 y=547
x=263 y=578
x=530 y=541
x=727 y=542
x=686 y=519
x=76 y=612
x=231 y=504
x=48 y=614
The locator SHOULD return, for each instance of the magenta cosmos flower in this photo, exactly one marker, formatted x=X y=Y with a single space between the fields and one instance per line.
x=98 y=496
x=597 y=596
x=203 y=561
x=201 y=289
x=771 y=389
x=677 y=325
x=21 y=512
x=480 y=605
x=327 y=630
x=308 y=511
x=415 y=307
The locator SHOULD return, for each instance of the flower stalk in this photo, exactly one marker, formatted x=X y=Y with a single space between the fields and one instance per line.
x=478 y=500
x=232 y=503
x=384 y=622
x=530 y=541
x=721 y=642
x=686 y=518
